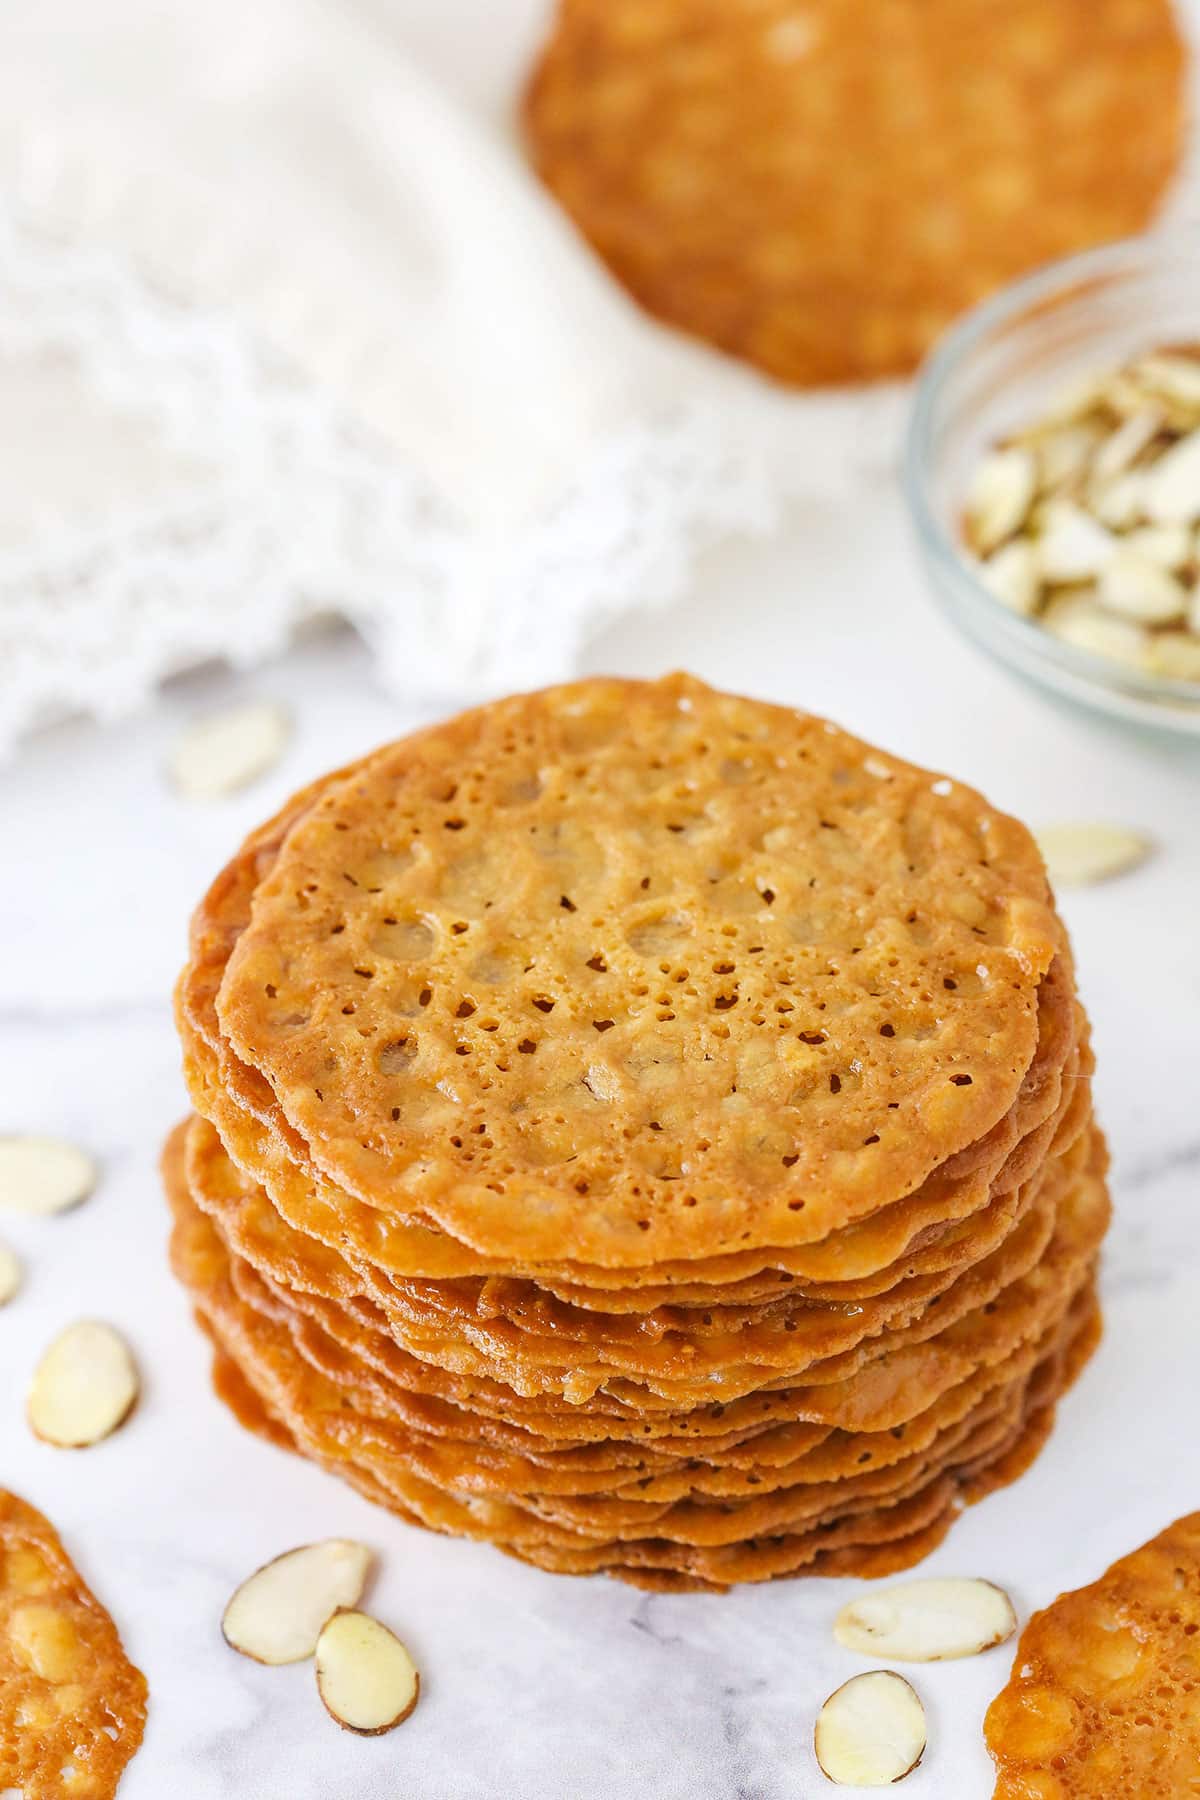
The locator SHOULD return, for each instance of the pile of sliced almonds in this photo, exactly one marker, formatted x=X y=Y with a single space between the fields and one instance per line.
x=1088 y=519
x=871 y=1731
x=304 y=1604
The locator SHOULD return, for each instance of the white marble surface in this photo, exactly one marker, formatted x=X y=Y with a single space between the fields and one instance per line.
x=538 y=1687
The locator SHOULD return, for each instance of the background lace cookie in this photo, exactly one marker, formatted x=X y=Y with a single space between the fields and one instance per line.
x=72 y=1705
x=646 y=1129
x=821 y=189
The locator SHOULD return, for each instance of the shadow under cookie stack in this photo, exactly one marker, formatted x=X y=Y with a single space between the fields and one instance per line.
x=646 y=1129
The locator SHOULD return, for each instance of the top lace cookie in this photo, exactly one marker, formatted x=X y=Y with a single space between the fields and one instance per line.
x=628 y=971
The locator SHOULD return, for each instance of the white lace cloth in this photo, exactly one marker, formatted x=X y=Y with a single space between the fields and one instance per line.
x=287 y=328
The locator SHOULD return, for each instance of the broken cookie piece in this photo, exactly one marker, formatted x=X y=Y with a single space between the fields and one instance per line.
x=72 y=1705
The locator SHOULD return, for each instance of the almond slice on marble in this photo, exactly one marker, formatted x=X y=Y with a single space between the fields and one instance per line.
x=927 y=1620
x=10 y=1274
x=1080 y=855
x=277 y=1614
x=871 y=1731
x=226 y=751
x=365 y=1677
x=1000 y=496
x=84 y=1386
x=43 y=1175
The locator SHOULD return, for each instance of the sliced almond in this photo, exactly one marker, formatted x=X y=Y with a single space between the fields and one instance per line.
x=871 y=1731
x=43 y=1175
x=366 y=1678
x=1170 y=546
x=1172 y=485
x=1072 y=546
x=1063 y=456
x=228 y=750
x=1080 y=855
x=84 y=1386
x=1119 y=504
x=1077 y=620
x=277 y=1614
x=1078 y=398
x=1175 y=377
x=1120 y=451
x=927 y=1621
x=1012 y=574
x=1175 y=654
x=10 y=1274
x=1125 y=395
x=1000 y=496
x=1139 y=589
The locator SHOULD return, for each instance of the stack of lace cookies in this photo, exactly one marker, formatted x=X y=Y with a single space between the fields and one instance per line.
x=647 y=1129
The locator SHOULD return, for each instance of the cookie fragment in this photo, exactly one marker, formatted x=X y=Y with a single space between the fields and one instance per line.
x=1101 y=1701
x=72 y=1705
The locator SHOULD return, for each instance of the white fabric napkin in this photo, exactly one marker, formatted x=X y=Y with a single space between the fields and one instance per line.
x=288 y=327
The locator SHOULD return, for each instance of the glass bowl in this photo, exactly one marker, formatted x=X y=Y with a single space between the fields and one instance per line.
x=998 y=368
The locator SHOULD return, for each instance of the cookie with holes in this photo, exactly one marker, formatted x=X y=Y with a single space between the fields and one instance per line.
x=835 y=1504
x=72 y=1705
x=820 y=186
x=646 y=1128
x=629 y=972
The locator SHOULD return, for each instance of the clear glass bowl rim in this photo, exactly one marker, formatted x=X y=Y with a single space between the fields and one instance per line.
x=938 y=371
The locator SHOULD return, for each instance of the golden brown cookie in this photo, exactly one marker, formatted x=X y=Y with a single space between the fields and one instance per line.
x=642 y=969
x=1102 y=1699
x=851 y=1496
x=72 y=1705
x=647 y=1130
x=821 y=186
